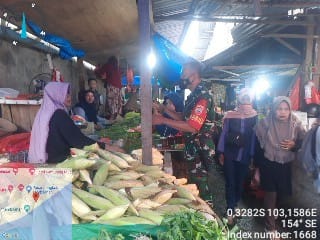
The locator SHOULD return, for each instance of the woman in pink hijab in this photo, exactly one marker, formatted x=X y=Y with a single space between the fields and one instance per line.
x=53 y=131
x=236 y=148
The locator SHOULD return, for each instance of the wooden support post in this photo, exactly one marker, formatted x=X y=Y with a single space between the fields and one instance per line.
x=307 y=63
x=145 y=84
x=81 y=74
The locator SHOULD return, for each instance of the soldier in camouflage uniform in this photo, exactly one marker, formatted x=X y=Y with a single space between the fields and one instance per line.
x=196 y=121
x=200 y=144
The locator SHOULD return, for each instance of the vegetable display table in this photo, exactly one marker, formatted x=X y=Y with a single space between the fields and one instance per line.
x=20 y=112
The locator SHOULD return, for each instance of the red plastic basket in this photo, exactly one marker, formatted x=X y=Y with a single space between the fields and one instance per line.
x=16 y=147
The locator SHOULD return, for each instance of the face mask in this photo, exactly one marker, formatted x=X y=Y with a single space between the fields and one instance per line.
x=184 y=82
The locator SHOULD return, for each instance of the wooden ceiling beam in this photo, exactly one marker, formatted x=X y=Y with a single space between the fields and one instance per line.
x=233 y=20
x=288 y=45
x=285 y=35
x=229 y=72
x=222 y=79
x=269 y=66
x=279 y=5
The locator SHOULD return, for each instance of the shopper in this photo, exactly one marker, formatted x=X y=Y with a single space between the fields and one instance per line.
x=279 y=136
x=172 y=102
x=236 y=148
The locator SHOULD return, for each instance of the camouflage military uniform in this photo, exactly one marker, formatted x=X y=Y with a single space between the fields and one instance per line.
x=200 y=144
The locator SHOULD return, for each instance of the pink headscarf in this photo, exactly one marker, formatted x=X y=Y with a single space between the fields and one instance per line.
x=244 y=109
x=54 y=96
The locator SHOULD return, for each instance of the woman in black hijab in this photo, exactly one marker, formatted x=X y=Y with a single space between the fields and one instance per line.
x=86 y=108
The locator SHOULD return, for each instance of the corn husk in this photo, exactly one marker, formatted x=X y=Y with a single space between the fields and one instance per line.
x=145 y=168
x=75 y=219
x=164 y=196
x=76 y=163
x=143 y=192
x=97 y=213
x=129 y=220
x=180 y=181
x=129 y=175
x=151 y=215
x=156 y=174
x=178 y=201
x=93 y=200
x=89 y=217
x=101 y=175
x=113 y=213
x=184 y=193
x=85 y=176
x=126 y=157
x=92 y=148
x=169 y=209
x=118 y=161
x=114 y=196
x=75 y=175
x=113 y=167
x=147 y=180
x=79 y=208
x=78 y=184
x=123 y=184
x=145 y=203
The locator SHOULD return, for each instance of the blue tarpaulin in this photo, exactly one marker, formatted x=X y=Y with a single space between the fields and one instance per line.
x=136 y=81
x=66 y=50
x=169 y=61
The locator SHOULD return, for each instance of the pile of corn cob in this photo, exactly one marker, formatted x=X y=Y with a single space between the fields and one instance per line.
x=113 y=188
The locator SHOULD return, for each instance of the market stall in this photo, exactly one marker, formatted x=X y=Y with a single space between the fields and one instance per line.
x=136 y=194
x=20 y=112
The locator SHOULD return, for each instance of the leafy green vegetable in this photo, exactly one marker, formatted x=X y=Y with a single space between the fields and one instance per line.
x=188 y=225
x=119 y=130
x=104 y=235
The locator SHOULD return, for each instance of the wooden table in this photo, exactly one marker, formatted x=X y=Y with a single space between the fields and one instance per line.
x=20 y=112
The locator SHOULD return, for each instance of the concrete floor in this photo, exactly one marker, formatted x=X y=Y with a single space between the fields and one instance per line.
x=248 y=225
x=253 y=225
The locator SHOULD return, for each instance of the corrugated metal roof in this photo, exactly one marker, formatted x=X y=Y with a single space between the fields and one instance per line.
x=175 y=31
x=172 y=19
x=171 y=30
x=169 y=7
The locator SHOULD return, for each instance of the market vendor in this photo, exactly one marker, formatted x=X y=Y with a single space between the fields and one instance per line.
x=112 y=75
x=172 y=103
x=92 y=83
x=196 y=121
x=86 y=108
x=53 y=131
